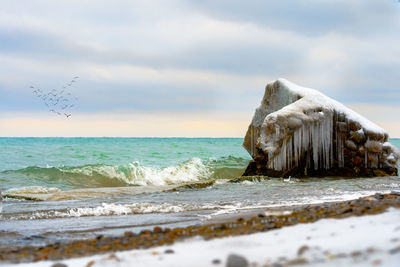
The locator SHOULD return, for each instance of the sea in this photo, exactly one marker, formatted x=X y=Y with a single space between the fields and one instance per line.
x=62 y=189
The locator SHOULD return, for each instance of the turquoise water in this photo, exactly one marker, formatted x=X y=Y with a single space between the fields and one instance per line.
x=69 y=163
x=18 y=153
x=106 y=186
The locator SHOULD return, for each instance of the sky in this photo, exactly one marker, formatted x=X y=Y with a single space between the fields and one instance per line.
x=191 y=68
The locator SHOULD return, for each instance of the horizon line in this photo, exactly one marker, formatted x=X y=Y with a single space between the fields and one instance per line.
x=188 y=137
x=116 y=137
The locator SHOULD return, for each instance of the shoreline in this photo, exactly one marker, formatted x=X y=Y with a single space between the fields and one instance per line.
x=241 y=224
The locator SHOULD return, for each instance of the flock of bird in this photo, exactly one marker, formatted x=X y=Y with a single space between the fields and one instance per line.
x=58 y=101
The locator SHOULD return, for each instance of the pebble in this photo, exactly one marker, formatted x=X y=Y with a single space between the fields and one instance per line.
x=302 y=249
x=282 y=258
x=356 y=253
x=235 y=260
x=376 y=262
x=341 y=255
x=297 y=261
x=169 y=251
x=216 y=261
x=58 y=264
x=395 y=250
x=370 y=250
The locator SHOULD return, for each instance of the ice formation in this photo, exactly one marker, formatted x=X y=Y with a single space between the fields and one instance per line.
x=299 y=130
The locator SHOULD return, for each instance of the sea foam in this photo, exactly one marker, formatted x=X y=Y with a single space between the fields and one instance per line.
x=101 y=175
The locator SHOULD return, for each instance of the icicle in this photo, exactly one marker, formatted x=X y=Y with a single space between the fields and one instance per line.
x=314 y=140
x=339 y=144
x=252 y=140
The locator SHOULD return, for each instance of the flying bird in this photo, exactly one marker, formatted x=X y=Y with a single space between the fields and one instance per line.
x=58 y=100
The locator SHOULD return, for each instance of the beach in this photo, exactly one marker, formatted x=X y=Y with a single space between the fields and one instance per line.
x=359 y=232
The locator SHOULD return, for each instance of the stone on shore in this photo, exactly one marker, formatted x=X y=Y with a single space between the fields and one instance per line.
x=235 y=260
x=300 y=132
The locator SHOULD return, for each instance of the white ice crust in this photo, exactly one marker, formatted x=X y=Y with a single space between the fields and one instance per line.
x=312 y=96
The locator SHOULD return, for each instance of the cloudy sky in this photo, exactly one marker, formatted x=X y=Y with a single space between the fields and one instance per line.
x=191 y=68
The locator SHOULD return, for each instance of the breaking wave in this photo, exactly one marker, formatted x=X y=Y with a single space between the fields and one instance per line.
x=33 y=190
x=110 y=209
x=131 y=174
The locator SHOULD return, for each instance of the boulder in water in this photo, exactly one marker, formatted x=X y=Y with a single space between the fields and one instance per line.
x=300 y=132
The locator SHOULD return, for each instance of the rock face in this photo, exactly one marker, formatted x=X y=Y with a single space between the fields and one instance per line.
x=300 y=132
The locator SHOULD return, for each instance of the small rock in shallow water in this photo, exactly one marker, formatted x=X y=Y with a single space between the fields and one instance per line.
x=235 y=260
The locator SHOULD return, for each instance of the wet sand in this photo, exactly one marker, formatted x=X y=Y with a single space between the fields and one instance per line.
x=227 y=225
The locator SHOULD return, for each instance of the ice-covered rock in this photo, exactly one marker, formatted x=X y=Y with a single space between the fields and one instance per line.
x=298 y=131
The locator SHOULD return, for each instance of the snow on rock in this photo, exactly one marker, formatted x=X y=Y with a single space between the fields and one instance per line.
x=299 y=131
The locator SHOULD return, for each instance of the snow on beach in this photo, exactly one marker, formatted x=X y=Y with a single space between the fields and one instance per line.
x=372 y=240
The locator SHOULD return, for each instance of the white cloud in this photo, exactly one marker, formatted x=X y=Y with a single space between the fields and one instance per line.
x=191 y=53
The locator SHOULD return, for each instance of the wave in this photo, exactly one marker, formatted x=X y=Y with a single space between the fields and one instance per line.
x=131 y=174
x=114 y=209
x=111 y=209
x=33 y=190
